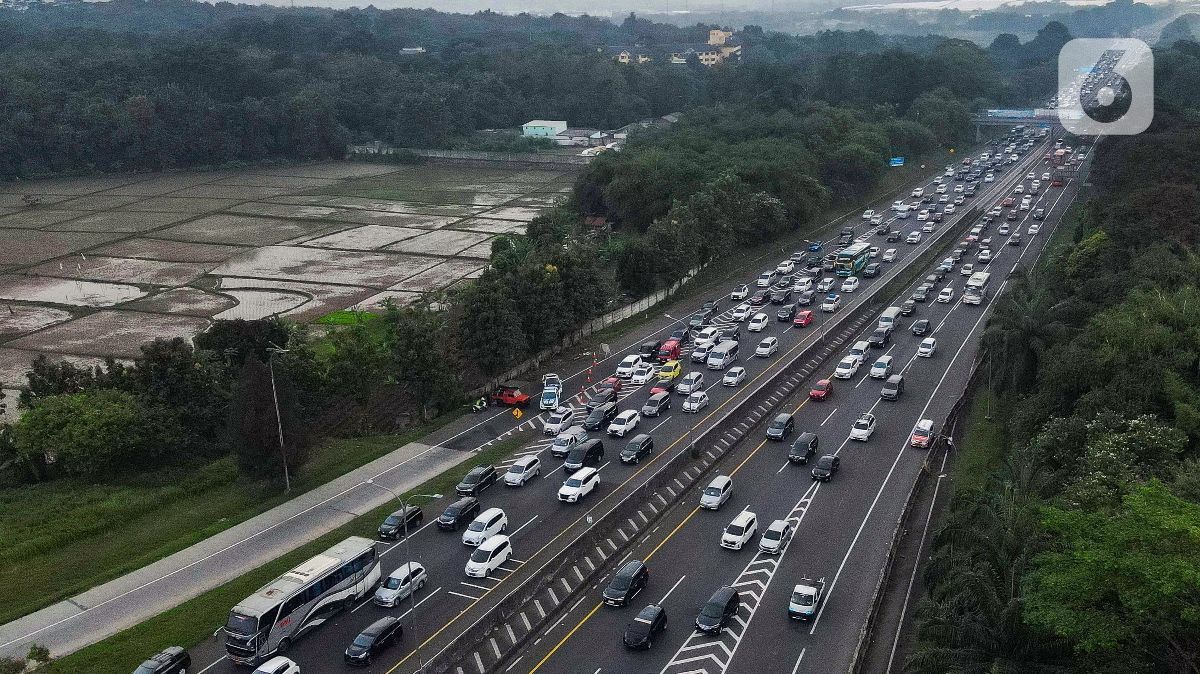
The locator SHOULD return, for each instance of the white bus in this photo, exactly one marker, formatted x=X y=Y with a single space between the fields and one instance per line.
x=267 y=622
x=976 y=287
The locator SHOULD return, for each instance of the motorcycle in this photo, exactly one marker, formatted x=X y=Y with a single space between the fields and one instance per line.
x=479 y=405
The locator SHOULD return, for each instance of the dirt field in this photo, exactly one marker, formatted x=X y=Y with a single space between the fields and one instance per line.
x=104 y=264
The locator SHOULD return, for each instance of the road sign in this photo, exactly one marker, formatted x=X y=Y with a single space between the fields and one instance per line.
x=517 y=413
x=896 y=161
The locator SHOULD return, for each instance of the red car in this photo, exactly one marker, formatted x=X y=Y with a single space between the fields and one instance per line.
x=509 y=395
x=821 y=391
x=922 y=435
x=1008 y=202
x=613 y=383
x=663 y=386
x=803 y=318
x=1057 y=182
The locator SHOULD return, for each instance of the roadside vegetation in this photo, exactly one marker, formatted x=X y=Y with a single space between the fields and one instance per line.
x=1079 y=550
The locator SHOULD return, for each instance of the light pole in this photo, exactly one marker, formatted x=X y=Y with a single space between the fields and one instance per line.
x=273 y=350
x=412 y=594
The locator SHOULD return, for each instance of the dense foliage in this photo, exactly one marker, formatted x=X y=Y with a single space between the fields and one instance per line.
x=1080 y=553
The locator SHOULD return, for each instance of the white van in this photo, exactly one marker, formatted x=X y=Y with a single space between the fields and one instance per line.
x=903 y=211
x=897 y=205
x=888 y=318
x=859 y=350
x=489 y=523
x=564 y=441
x=722 y=355
x=489 y=556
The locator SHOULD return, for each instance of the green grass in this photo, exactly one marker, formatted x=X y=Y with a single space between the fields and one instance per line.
x=984 y=446
x=1062 y=238
x=347 y=317
x=60 y=538
x=195 y=620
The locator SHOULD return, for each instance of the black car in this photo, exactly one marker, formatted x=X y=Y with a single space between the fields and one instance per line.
x=711 y=307
x=600 y=416
x=461 y=512
x=586 y=453
x=759 y=298
x=649 y=622
x=880 y=338
x=871 y=270
x=1039 y=214
x=826 y=466
x=893 y=237
x=170 y=660
x=700 y=319
x=641 y=445
x=379 y=635
x=630 y=579
x=398 y=522
x=908 y=307
x=719 y=610
x=934 y=277
x=731 y=334
x=480 y=478
x=803 y=449
x=883 y=229
x=656 y=404
x=1015 y=239
x=805 y=298
x=649 y=349
x=921 y=293
x=781 y=295
x=601 y=397
x=785 y=281
x=938 y=216
x=786 y=313
x=920 y=327
x=682 y=334
x=781 y=427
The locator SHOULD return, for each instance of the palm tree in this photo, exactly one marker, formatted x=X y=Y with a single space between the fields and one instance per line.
x=1019 y=332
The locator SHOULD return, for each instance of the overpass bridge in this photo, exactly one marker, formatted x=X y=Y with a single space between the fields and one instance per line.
x=1043 y=117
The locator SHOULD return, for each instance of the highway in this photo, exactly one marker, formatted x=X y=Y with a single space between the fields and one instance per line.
x=839 y=521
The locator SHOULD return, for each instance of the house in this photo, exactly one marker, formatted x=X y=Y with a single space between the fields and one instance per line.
x=412 y=51
x=722 y=46
x=541 y=128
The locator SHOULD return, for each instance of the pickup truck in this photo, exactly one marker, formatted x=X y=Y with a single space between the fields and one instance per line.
x=509 y=395
x=806 y=598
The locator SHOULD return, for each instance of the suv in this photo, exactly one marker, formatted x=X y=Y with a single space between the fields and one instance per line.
x=803 y=449
x=171 y=660
x=600 y=417
x=781 y=427
x=480 y=478
x=462 y=511
x=629 y=580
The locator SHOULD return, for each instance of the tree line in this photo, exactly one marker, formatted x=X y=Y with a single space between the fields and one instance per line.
x=1080 y=552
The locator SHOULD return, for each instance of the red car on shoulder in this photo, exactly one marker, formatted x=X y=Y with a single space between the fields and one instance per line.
x=510 y=395
x=821 y=391
x=803 y=319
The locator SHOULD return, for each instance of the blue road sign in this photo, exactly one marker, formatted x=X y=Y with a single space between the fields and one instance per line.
x=896 y=161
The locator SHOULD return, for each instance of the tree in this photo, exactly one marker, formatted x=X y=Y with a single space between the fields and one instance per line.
x=254 y=427
x=238 y=339
x=416 y=345
x=636 y=269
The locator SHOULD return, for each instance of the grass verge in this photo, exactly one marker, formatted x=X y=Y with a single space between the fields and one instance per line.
x=984 y=446
x=195 y=620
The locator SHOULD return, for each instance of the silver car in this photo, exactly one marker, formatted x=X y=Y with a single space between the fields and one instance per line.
x=400 y=584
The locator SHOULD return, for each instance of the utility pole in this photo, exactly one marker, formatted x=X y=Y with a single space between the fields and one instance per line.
x=287 y=478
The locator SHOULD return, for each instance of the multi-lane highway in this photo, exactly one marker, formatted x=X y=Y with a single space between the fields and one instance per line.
x=839 y=522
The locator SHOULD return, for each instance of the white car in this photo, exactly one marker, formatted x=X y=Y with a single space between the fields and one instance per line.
x=868 y=214
x=941 y=189
x=967 y=269
x=1045 y=176
x=641 y=374
x=487 y=524
x=691 y=382
x=786 y=267
x=831 y=303
x=985 y=256
x=949 y=210
x=882 y=368
x=625 y=369
x=1034 y=229
x=405 y=580
x=913 y=237
x=740 y=531
x=1003 y=231
x=522 y=470
x=873 y=252
x=741 y=312
x=700 y=352
x=803 y=283
x=776 y=537
x=580 y=484
x=707 y=336
x=850 y=284
x=1019 y=189
x=1029 y=176
x=740 y=292
x=846 y=368
x=989 y=177
x=767 y=347
x=923 y=216
x=946 y=295
x=918 y=193
x=960 y=200
x=877 y=219
x=733 y=376
x=889 y=255
x=927 y=348
x=758 y=323
x=863 y=428
x=278 y=665
x=958 y=188
x=927 y=227
x=695 y=402
x=825 y=285
x=624 y=422
x=559 y=420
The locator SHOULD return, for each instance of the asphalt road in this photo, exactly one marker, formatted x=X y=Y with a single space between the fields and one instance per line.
x=844 y=527
x=537 y=520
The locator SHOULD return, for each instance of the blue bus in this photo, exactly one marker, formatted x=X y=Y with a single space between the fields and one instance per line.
x=853 y=258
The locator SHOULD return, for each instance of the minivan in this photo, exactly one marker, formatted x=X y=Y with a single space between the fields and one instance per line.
x=888 y=318
x=803 y=449
x=859 y=350
x=717 y=492
x=489 y=523
x=475 y=481
x=600 y=417
x=489 y=556
x=721 y=356
x=668 y=351
x=641 y=445
x=893 y=387
x=522 y=470
x=656 y=404
x=740 y=531
x=630 y=579
x=460 y=512
x=564 y=441
x=781 y=427
x=719 y=610
x=588 y=453
x=170 y=660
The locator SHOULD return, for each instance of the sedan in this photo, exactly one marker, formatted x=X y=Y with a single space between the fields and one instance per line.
x=695 y=402
x=802 y=319
x=740 y=292
x=920 y=327
x=831 y=303
x=921 y=293
x=927 y=348
x=625 y=422
x=759 y=298
x=863 y=428
x=913 y=237
x=850 y=284
x=767 y=347
x=889 y=255
x=821 y=390
x=871 y=270
x=846 y=368
x=825 y=285
x=641 y=374
x=733 y=376
x=775 y=538
x=1034 y=228
x=946 y=295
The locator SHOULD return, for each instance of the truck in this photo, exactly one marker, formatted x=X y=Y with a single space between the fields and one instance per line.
x=806 y=598
x=509 y=395
x=976 y=288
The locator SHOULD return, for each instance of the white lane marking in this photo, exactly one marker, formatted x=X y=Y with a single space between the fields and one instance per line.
x=477 y=587
x=518 y=529
x=830 y=416
x=668 y=594
x=798 y=660
x=781 y=468
x=464 y=596
x=214 y=664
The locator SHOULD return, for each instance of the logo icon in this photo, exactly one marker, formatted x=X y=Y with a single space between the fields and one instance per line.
x=1105 y=86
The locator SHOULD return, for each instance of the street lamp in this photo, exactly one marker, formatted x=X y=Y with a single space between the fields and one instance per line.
x=408 y=553
x=273 y=350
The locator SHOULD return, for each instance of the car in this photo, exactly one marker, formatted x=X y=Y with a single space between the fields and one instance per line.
x=700 y=319
x=718 y=611
x=641 y=374
x=672 y=347
x=1007 y=203
x=671 y=369
x=1039 y=214
x=850 y=284
x=170 y=660
x=741 y=312
x=627 y=364
x=1012 y=215
x=868 y=214
x=641 y=445
x=767 y=347
x=882 y=368
x=487 y=524
x=802 y=284
x=922 y=434
x=278 y=665
x=657 y=404
x=927 y=348
x=759 y=297
x=758 y=322
x=918 y=192
x=967 y=269
x=806 y=596
x=846 y=368
x=950 y=209
x=880 y=338
x=871 y=270
x=893 y=236
x=826 y=284
x=921 y=293
x=825 y=467
x=1015 y=239
x=1034 y=228
x=458 y=513
x=716 y=493
x=945 y=267
x=913 y=237
x=781 y=295
x=767 y=279
x=740 y=531
x=775 y=538
x=691 y=382
x=863 y=428
x=707 y=337
x=946 y=295
x=1003 y=231
x=960 y=199
x=908 y=307
x=662 y=386
x=624 y=423
x=892 y=388
x=599 y=398
x=785 y=267
x=923 y=216
x=985 y=256
x=781 y=426
x=695 y=402
x=821 y=390
x=600 y=417
x=648 y=623
x=989 y=177
x=581 y=483
x=740 y=292
x=927 y=228
x=920 y=326
x=877 y=219
x=509 y=395
x=733 y=376
x=831 y=303
x=522 y=470
x=1045 y=176
x=803 y=318
x=401 y=522
x=889 y=255
x=560 y=420
x=475 y=481
x=626 y=583
x=803 y=449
